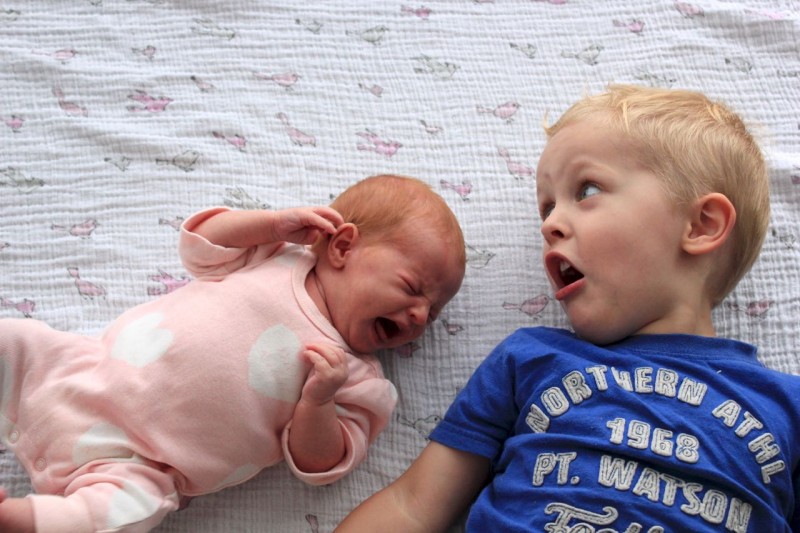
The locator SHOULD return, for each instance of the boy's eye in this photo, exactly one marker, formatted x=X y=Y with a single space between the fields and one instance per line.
x=587 y=190
x=545 y=210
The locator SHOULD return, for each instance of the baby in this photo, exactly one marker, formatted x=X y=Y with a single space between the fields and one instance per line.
x=263 y=357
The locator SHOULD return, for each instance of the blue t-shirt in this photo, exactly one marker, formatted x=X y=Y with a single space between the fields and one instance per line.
x=654 y=433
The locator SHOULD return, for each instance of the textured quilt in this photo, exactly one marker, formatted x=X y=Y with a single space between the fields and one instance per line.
x=119 y=118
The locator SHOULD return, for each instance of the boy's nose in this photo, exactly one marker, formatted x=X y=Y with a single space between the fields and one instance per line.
x=553 y=227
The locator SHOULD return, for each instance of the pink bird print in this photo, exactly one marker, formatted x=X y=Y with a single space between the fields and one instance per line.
x=451 y=328
x=26 y=307
x=148 y=103
x=463 y=189
x=757 y=308
x=313 y=522
x=168 y=281
x=689 y=10
x=296 y=136
x=63 y=55
x=633 y=25
x=407 y=350
x=4 y=245
x=421 y=11
x=386 y=148
x=85 y=288
x=772 y=15
x=70 y=108
x=531 y=306
x=285 y=79
x=504 y=111
x=83 y=230
x=517 y=169
x=14 y=122
x=236 y=140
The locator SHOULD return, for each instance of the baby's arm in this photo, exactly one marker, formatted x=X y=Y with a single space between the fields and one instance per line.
x=246 y=228
x=430 y=496
x=316 y=441
x=16 y=514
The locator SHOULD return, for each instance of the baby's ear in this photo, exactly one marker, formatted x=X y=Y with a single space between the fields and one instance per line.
x=712 y=219
x=341 y=243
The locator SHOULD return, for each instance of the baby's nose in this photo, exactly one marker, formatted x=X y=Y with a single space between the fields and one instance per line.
x=419 y=313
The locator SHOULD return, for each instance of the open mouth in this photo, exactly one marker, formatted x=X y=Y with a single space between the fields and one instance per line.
x=562 y=272
x=389 y=327
x=568 y=274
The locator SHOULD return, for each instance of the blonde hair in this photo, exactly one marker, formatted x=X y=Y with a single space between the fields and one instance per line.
x=696 y=146
x=381 y=205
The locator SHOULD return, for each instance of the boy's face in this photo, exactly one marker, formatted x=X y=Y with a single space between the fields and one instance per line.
x=388 y=293
x=612 y=247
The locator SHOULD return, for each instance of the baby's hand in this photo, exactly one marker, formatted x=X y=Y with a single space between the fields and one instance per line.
x=303 y=225
x=16 y=514
x=328 y=373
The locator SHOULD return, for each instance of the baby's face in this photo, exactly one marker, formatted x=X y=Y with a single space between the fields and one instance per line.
x=391 y=291
x=612 y=237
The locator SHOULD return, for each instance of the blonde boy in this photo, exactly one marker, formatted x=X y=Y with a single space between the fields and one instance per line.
x=654 y=204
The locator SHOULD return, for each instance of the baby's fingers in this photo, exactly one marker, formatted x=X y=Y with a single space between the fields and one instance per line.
x=333 y=356
x=332 y=218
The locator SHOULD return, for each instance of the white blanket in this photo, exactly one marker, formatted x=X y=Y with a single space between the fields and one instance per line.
x=122 y=117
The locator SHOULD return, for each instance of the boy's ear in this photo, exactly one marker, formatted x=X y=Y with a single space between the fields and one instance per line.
x=712 y=219
x=341 y=243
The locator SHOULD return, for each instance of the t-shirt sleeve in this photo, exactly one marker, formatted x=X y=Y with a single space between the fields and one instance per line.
x=204 y=259
x=796 y=516
x=484 y=412
x=364 y=409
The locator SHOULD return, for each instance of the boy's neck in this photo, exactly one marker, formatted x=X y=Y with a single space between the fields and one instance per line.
x=689 y=321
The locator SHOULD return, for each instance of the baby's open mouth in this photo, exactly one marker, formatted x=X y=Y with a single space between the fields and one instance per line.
x=389 y=327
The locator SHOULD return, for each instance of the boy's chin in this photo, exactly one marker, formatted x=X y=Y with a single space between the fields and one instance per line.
x=598 y=335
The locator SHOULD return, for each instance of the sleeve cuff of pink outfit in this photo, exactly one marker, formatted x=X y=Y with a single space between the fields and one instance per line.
x=345 y=466
x=56 y=514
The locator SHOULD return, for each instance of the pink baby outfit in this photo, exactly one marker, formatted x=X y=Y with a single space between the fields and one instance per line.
x=181 y=396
